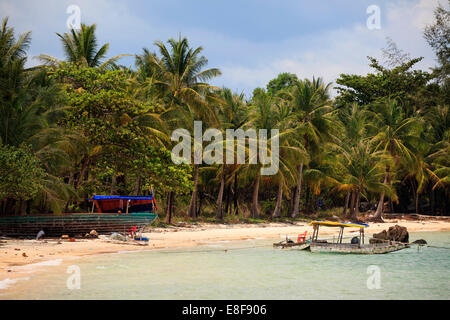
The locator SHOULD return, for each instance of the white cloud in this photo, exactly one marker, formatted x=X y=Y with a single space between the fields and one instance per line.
x=338 y=51
x=245 y=64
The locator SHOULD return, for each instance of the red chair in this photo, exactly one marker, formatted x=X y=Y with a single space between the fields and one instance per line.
x=302 y=237
x=132 y=231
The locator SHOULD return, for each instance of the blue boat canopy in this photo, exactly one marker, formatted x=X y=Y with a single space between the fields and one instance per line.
x=120 y=198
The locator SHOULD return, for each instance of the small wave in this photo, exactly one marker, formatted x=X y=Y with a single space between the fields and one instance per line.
x=5 y=284
x=33 y=266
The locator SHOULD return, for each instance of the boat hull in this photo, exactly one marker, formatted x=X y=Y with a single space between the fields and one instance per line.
x=72 y=224
x=356 y=248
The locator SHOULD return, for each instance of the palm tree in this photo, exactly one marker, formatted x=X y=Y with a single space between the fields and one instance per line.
x=395 y=134
x=363 y=170
x=268 y=112
x=233 y=114
x=290 y=151
x=80 y=46
x=28 y=101
x=310 y=103
x=181 y=79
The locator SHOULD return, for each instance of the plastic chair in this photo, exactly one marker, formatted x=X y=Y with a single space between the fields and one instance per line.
x=132 y=232
x=302 y=237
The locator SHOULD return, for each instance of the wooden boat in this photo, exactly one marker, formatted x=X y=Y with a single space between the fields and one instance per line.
x=358 y=247
x=291 y=244
x=114 y=214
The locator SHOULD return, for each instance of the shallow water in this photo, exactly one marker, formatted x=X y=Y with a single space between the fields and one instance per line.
x=261 y=272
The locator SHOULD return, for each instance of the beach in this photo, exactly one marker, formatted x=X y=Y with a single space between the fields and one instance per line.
x=18 y=254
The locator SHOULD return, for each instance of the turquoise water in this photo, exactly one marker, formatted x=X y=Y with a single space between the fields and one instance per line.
x=262 y=272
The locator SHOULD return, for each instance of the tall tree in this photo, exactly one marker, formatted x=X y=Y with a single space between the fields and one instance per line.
x=81 y=47
x=182 y=81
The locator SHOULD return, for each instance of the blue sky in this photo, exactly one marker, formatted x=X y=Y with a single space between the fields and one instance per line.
x=251 y=41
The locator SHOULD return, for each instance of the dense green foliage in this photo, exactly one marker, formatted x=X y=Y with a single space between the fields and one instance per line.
x=21 y=173
x=87 y=125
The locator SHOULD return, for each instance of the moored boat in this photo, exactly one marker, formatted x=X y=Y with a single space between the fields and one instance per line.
x=114 y=214
x=357 y=245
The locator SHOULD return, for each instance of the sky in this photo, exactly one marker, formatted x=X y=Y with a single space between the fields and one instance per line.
x=250 y=41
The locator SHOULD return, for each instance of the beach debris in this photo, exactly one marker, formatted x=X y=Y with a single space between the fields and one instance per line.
x=141 y=238
x=24 y=255
x=396 y=233
x=40 y=235
x=420 y=241
x=92 y=235
x=64 y=236
x=118 y=236
x=17 y=249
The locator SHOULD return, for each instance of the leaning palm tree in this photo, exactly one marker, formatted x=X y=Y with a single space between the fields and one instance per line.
x=80 y=46
x=182 y=82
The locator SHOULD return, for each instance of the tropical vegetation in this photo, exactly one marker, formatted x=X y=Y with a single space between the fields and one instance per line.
x=87 y=125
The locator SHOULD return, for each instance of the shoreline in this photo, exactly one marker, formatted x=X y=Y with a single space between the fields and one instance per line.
x=22 y=257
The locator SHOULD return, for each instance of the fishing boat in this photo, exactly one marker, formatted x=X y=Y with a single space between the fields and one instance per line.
x=113 y=214
x=356 y=246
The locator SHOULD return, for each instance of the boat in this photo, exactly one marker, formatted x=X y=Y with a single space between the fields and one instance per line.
x=356 y=246
x=301 y=243
x=113 y=214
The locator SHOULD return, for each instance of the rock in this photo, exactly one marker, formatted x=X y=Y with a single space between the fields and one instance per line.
x=420 y=241
x=395 y=233
x=382 y=235
x=92 y=235
x=398 y=233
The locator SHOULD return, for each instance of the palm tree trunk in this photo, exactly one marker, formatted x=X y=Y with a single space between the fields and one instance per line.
x=297 y=192
x=352 y=204
x=355 y=212
x=255 y=205
x=22 y=207
x=137 y=187
x=277 y=211
x=113 y=184
x=192 y=211
x=228 y=208
x=235 y=194
x=380 y=208
x=417 y=203
x=219 y=211
x=200 y=204
x=347 y=199
x=169 y=194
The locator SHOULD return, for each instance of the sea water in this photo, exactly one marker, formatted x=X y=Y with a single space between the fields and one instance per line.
x=250 y=269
